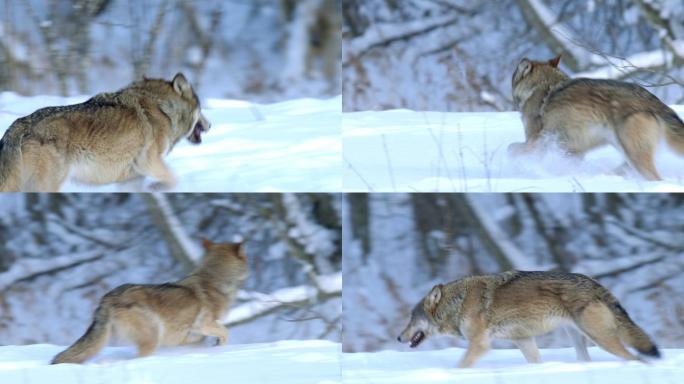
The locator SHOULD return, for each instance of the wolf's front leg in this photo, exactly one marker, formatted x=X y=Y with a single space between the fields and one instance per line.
x=518 y=149
x=477 y=346
x=151 y=164
x=533 y=127
x=213 y=328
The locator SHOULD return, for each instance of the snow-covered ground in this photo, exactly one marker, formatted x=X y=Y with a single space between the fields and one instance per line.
x=297 y=362
x=288 y=146
x=508 y=366
x=413 y=151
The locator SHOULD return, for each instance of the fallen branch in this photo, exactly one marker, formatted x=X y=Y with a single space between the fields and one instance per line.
x=29 y=268
x=329 y=286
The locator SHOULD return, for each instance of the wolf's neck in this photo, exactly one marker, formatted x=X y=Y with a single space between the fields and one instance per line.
x=541 y=91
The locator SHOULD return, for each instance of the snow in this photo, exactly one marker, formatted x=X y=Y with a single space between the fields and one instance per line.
x=415 y=151
x=290 y=361
x=508 y=365
x=288 y=146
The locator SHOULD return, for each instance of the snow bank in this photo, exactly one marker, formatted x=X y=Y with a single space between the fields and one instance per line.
x=414 y=151
x=288 y=146
x=508 y=366
x=283 y=362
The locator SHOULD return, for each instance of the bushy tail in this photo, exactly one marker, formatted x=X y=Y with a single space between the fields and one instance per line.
x=10 y=156
x=632 y=334
x=91 y=342
x=674 y=131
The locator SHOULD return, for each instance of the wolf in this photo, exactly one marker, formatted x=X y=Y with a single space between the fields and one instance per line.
x=109 y=138
x=583 y=114
x=519 y=305
x=168 y=314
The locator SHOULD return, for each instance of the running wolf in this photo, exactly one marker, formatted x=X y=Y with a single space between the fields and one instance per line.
x=583 y=114
x=169 y=314
x=518 y=306
x=111 y=137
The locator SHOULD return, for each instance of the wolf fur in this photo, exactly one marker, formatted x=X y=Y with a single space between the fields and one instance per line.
x=583 y=114
x=518 y=306
x=109 y=138
x=169 y=314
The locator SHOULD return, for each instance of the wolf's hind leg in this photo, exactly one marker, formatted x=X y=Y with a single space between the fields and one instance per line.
x=598 y=323
x=579 y=342
x=46 y=168
x=142 y=329
x=638 y=138
x=529 y=349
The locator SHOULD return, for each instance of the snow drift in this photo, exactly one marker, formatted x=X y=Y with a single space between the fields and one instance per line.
x=299 y=362
x=415 y=151
x=508 y=366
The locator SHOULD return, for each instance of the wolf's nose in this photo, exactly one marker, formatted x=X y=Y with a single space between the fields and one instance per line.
x=399 y=339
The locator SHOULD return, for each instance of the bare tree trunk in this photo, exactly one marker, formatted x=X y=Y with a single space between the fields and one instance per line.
x=179 y=243
x=505 y=253
x=551 y=232
x=536 y=21
x=359 y=213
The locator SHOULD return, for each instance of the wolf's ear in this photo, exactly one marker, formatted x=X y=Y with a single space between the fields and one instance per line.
x=206 y=243
x=240 y=246
x=554 y=62
x=524 y=67
x=434 y=296
x=240 y=249
x=181 y=84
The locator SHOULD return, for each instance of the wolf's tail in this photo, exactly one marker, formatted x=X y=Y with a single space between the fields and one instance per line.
x=674 y=131
x=92 y=341
x=630 y=333
x=10 y=158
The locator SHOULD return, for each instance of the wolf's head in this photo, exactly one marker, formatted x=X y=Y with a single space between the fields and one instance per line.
x=228 y=260
x=529 y=75
x=179 y=102
x=422 y=324
x=191 y=121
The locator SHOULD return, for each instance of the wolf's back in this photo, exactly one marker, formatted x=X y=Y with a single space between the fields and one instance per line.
x=10 y=159
x=674 y=130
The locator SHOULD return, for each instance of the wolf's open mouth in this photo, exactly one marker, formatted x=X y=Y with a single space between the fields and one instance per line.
x=196 y=135
x=417 y=338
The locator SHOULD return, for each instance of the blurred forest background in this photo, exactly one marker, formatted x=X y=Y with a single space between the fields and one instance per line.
x=397 y=246
x=59 y=253
x=262 y=50
x=459 y=55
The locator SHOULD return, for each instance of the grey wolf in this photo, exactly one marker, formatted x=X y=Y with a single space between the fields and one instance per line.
x=583 y=114
x=167 y=314
x=518 y=306
x=109 y=138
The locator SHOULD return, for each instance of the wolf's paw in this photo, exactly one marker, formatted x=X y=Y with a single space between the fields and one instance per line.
x=221 y=340
x=159 y=186
x=517 y=149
